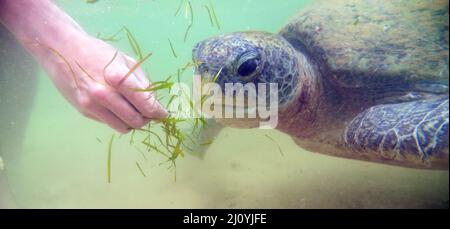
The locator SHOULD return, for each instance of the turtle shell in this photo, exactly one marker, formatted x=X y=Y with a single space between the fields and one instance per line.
x=366 y=42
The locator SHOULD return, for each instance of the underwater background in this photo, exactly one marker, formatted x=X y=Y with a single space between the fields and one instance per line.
x=62 y=156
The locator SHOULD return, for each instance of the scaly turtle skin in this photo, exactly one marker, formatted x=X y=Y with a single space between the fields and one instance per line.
x=358 y=79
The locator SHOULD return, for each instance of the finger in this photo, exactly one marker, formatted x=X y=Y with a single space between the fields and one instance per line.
x=114 y=102
x=106 y=116
x=149 y=96
x=93 y=117
x=85 y=105
x=144 y=102
x=139 y=73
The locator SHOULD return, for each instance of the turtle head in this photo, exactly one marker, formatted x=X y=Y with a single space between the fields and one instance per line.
x=249 y=57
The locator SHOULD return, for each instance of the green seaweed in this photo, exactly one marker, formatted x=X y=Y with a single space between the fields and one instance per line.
x=110 y=62
x=132 y=69
x=178 y=75
x=59 y=55
x=134 y=44
x=210 y=15
x=179 y=7
x=142 y=153
x=133 y=132
x=112 y=37
x=140 y=169
x=152 y=146
x=191 y=11
x=155 y=86
x=107 y=39
x=217 y=75
x=278 y=145
x=213 y=11
x=172 y=49
x=207 y=143
x=191 y=23
x=164 y=136
x=109 y=158
x=131 y=40
x=187 y=32
x=85 y=72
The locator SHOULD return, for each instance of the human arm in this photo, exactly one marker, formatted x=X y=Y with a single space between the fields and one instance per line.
x=75 y=61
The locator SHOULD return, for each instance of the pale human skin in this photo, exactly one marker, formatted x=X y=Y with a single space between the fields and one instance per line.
x=41 y=27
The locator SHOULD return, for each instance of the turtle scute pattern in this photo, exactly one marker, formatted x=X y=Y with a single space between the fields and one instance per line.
x=415 y=130
x=361 y=43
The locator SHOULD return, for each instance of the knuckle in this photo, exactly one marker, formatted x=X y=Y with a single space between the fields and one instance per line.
x=85 y=105
x=114 y=77
x=100 y=93
x=150 y=105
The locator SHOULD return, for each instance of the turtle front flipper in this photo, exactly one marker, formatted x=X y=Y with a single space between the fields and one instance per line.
x=412 y=134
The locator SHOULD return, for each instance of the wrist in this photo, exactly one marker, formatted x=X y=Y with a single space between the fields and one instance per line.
x=37 y=23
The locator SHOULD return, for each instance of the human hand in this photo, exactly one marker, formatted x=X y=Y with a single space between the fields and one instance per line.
x=86 y=70
x=91 y=77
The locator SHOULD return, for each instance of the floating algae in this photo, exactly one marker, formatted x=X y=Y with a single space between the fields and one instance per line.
x=133 y=132
x=2 y=165
x=109 y=63
x=134 y=44
x=109 y=158
x=214 y=14
x=209 y=14
x=58 y=54
x=278 y=145
x=172 y=49
x=155 y=86
x=141 y=152
x=189 y=11
x=179 y=7
x=112 y=37
x=174 y=144
x=217 y=75
x=140 y=169
x=132 y=69
x=131 y=39
x=191 y=23
x=85 y=72
x=164 y=136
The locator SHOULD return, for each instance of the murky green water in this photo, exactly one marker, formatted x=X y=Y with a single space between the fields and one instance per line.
x=62 y=165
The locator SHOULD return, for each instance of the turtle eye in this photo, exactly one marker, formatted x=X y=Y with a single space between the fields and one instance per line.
x=248 y=67
x=248 y=64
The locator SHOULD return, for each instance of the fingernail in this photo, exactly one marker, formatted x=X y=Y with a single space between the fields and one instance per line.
x=157 y=110
x=160 y=111
x=123 y=131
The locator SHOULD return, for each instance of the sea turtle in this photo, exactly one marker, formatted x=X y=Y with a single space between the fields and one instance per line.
x=359 y=79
